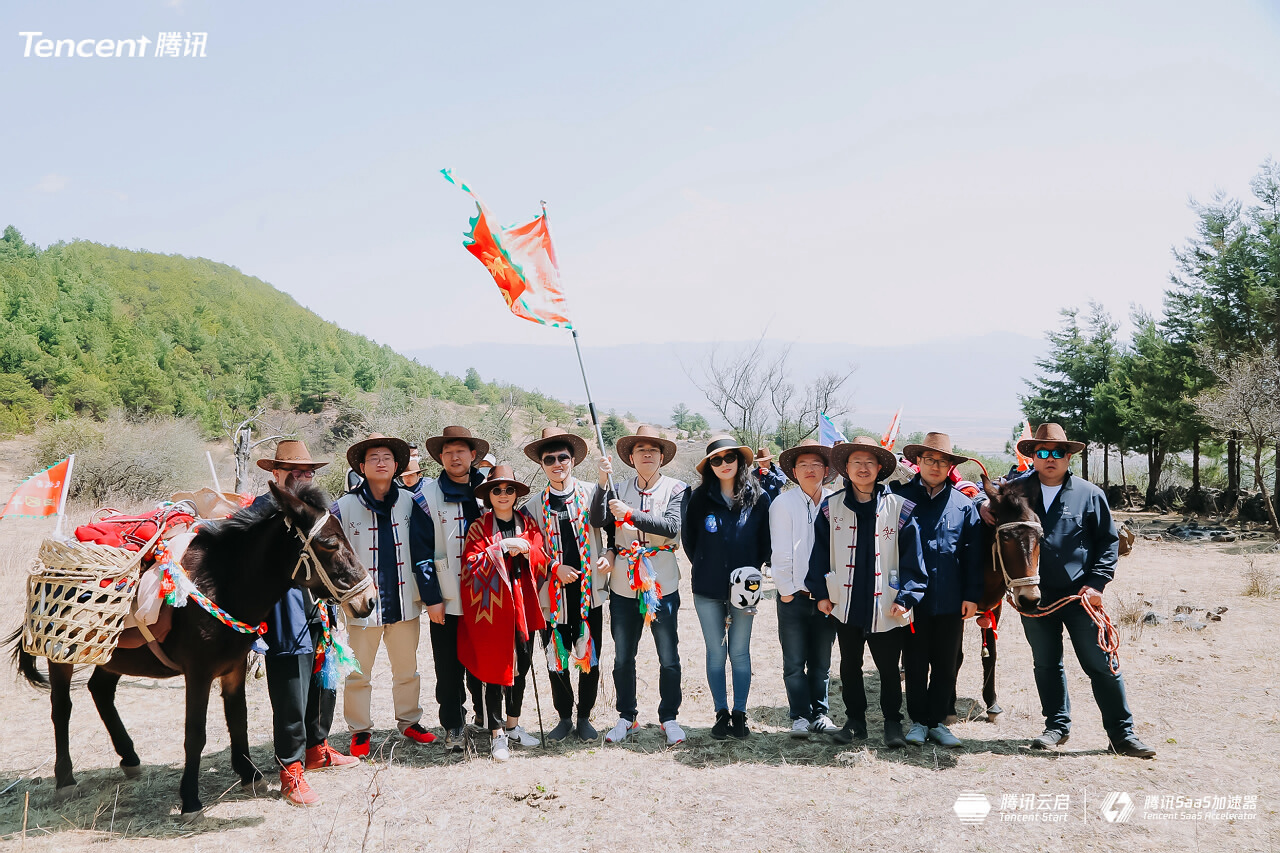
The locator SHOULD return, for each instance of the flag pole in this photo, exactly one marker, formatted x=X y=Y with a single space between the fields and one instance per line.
x=62 y=498
x=208 y=454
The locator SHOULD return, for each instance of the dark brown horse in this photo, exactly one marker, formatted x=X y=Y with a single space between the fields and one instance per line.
x=1010 y=561
x=243 y=565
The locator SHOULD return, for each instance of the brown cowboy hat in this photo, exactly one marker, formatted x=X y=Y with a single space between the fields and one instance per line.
x=763 y=456
x=398 y=447
x=938 y=442
x=557 y=435
x=499 y=474
x=787 y=461
x=455 y=433
x=291 y=453
x=649 y=434
x=725 y=442
x=1049 y=434
x=414 y=466
x=841 y=452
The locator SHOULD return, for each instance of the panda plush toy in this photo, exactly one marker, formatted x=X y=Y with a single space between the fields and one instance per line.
x=746 y=588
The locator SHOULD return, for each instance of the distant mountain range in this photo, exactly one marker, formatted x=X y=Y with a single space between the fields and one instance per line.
x=967 y=386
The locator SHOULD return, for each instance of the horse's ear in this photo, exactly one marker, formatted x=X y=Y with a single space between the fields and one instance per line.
x=288 y=502
x=992 y=490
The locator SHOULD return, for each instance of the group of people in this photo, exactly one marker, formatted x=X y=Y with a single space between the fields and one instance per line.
x=893 y=567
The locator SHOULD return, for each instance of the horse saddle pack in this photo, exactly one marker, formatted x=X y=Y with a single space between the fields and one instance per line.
x=132 y=532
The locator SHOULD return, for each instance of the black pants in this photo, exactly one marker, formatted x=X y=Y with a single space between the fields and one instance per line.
x=588 y=682
x=489 y=711
x=886 y=650
x=301 y=710
x=451 y=691
x=930 y=660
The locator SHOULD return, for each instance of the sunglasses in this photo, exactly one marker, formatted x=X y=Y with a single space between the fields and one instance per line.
x=721 y=461
x=549 y=459
x=503 y=490
x=1056 y=453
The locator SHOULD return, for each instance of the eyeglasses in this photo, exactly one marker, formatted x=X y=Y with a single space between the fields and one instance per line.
x=503 y=490
x=1056 y=453
x=935 y=461
x=556 y=459
x=721 y=461
x=809 y=465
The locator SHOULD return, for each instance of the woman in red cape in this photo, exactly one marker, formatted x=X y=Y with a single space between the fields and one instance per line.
x=503 y=565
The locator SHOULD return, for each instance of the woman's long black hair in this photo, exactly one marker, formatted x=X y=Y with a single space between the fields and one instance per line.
x=746 y=491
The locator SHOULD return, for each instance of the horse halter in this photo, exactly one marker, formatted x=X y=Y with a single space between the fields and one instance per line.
x=307 y=559
x=1014 y=583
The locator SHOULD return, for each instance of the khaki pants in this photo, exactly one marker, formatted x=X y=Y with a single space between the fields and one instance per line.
x=401 y=640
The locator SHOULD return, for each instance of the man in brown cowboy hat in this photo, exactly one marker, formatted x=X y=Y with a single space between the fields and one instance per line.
x=647 y=509
x=573 y=599
x=950 y=523
x=395 y=540
x=1079 y=549
x=806 y=633
x=767 y=474
x=453 y=507
x=301 y=707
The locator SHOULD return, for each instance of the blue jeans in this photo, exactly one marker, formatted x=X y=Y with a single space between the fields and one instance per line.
x=1045 y=636
x=712 y=614
x=626 y=624
x=807 y=635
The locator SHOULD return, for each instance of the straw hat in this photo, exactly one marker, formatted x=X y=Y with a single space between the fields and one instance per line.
x=398 y=447
x=841 y=452
x=414 y=466
x=787 y=461
x=725 y=442
x=498 y=475
x=648 y=434
x=455 y=433
x=1049 y=434
x=938 y=442
x=557 y=435
x=291 y=453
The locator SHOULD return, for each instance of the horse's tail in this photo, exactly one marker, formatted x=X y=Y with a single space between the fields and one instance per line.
x=25 y=661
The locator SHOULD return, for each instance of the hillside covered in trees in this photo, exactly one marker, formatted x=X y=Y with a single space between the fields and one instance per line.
x=86 y=329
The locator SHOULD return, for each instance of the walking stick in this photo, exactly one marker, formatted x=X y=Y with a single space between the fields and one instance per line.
x=537 y=700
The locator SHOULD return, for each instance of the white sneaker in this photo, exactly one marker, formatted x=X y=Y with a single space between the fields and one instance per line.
x=498 y=750
x=620 y=730
x=675 y=734
x=800 y=728
x=916 y=736
x=521 y=737
x=943 y=737
x=823 y=725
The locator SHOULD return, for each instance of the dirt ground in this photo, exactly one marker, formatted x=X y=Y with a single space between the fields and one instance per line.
x=1208 y=700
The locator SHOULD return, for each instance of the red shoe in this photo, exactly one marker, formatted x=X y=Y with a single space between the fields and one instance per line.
x=294 y=789
x=418 y=734
x=359 y=744
x=323 y=755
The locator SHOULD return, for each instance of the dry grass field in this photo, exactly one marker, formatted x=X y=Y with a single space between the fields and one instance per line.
x=1209 y=700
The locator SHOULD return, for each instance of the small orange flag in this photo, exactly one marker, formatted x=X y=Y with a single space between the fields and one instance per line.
x=1024 y=462
x=38 y=497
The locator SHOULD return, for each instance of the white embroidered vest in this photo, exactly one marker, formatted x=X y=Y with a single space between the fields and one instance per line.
x=665 y=567
x=844 y=541
x=451 y=534
x=360 y=528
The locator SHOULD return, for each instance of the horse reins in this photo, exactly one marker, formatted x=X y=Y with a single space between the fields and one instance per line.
x=307 y=559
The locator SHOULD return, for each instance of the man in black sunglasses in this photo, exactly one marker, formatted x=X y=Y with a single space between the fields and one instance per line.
x=1078 y=552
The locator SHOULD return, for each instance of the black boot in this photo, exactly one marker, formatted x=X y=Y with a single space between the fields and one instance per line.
x=893 y=735
x=855 y=728
x=720 y=730
x=740 y=730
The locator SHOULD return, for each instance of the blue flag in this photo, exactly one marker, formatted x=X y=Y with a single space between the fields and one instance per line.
x=828 y=435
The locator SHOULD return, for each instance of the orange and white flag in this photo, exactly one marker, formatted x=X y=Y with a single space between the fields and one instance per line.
x=40 y=495
x=1024 y=462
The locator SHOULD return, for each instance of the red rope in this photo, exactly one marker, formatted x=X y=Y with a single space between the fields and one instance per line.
x=1108 y=636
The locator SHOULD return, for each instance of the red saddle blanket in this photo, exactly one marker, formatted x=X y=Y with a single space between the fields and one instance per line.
x=132 y=531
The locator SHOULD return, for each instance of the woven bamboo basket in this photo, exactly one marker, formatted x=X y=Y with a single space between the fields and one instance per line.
x=77 y=598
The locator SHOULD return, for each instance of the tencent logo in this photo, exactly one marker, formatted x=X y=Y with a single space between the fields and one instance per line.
x=973 y=807
x=1117 y=807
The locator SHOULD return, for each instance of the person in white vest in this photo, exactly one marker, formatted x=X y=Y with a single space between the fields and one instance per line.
x=394 y=539
x=573 y=598
x=452 y=503
x=866 y=569
x=806 y=633
x=644 y=586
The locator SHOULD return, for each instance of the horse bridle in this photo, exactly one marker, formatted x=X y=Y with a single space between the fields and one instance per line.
x=307 y=559
x=1014 y=583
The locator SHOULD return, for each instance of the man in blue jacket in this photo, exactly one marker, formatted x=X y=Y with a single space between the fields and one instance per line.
x=767 y=474
x=1078 y=554
x=951 y=539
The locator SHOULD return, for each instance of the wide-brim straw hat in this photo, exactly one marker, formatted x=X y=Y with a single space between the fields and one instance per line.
x=398 y=447
x=1049 y=433
x=455 y=433
x=787 y=460
x=763 y=456
x=938 y=442
x=291 y=453
x=841 y=452
x=648 y=434
x=557 y=435
x=721 y=443
x=498 y=475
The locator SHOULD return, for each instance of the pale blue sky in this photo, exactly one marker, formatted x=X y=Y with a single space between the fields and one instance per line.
x=993 y=161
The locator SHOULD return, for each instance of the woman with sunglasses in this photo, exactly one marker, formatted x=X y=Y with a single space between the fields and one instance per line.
x=726 y=527
x=503 y=564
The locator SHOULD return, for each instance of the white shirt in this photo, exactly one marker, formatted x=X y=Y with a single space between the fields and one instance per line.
x=791 y=518
x=1048 y=493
